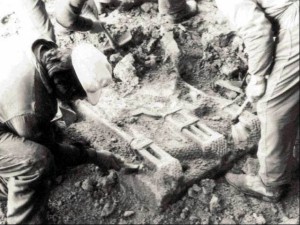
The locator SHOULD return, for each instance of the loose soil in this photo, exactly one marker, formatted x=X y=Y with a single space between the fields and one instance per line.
x=210 y=50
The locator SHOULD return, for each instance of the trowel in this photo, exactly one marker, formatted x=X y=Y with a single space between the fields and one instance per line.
x=129 y=168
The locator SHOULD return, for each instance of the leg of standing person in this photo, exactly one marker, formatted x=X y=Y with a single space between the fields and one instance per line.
x=278 y=111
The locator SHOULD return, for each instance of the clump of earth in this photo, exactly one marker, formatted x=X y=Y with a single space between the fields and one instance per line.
x=208 y=51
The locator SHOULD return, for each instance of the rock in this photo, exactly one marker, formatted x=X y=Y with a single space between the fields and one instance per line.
x=77 y=184
x=227 y=221
x=226 y=39
x=290 y=221
x=96 y=205
x=114 y=58
x=146 y=7
x=185 y=210
x=101 y=201
x=214 y=204
x=5 y=19
x=229 y=69
x=192 y=193
x=193 y=218
x=107 y=210
x=120 y=123
x=59 y=203
x=114 y=140
x=155 y=34
x=208 y=186
x=128 y=213
x=97 y=169
x=216 y=118
x=110 y=180
x=231 y=94
x=59 y=179
x=87 y=185
x=132 y=120
x=182 y=215
x=248 y=219
x=196 y=188
x=205 y=220
x=126 y=72
x=152 y=61
x=151 y=45
x=259 y=218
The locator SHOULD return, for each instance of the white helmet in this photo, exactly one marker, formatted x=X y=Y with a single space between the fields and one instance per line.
x=92 y=69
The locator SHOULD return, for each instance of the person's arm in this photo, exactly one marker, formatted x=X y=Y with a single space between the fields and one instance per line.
x=68 y=15
x=256 y=31
x=32 y=128
x=34 y=12
x=35 y=129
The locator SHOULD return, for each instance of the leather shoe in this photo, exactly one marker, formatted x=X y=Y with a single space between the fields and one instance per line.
x=253 y=186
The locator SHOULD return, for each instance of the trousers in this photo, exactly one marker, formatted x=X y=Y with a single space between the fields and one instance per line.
x=278 y=111
x=26 y=171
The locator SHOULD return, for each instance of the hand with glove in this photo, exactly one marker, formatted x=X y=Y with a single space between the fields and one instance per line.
x=256 y=88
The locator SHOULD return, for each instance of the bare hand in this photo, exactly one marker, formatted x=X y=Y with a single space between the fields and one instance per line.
x=108 y=160
x=256 y=88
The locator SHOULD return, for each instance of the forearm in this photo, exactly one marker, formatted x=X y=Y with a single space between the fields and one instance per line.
x=68 y=15
x=32 y=128
x=81 y=24
x=255 y=29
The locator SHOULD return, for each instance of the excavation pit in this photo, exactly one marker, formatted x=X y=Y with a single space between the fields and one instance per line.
x=173 y=159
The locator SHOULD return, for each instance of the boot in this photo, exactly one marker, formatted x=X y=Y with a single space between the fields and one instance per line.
x=190 y=10
x=253 y=186
x=126 y=5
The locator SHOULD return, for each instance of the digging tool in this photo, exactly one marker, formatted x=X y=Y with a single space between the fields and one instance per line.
x=228 y=85
x=239 y=130
x=239 y=112
x=129 y=168
x=124 y=39
x=233 y=101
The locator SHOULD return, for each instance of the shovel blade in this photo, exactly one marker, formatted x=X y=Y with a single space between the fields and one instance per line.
x=124 y=38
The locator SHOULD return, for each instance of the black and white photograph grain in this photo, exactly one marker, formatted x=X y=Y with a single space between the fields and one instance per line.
x=149 y=112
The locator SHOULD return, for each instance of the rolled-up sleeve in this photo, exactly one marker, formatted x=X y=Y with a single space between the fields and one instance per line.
x=248 y=19
x=33 y=128
x=68 y=15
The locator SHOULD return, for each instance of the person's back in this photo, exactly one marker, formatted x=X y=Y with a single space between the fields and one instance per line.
x=22 y=92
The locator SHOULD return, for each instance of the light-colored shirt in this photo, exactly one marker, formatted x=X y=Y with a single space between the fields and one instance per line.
x=257 y=22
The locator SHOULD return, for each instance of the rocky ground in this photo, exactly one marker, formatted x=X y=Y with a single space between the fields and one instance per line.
x=208 y=50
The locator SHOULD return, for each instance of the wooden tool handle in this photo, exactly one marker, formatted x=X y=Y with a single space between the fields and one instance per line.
x=241 y=109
